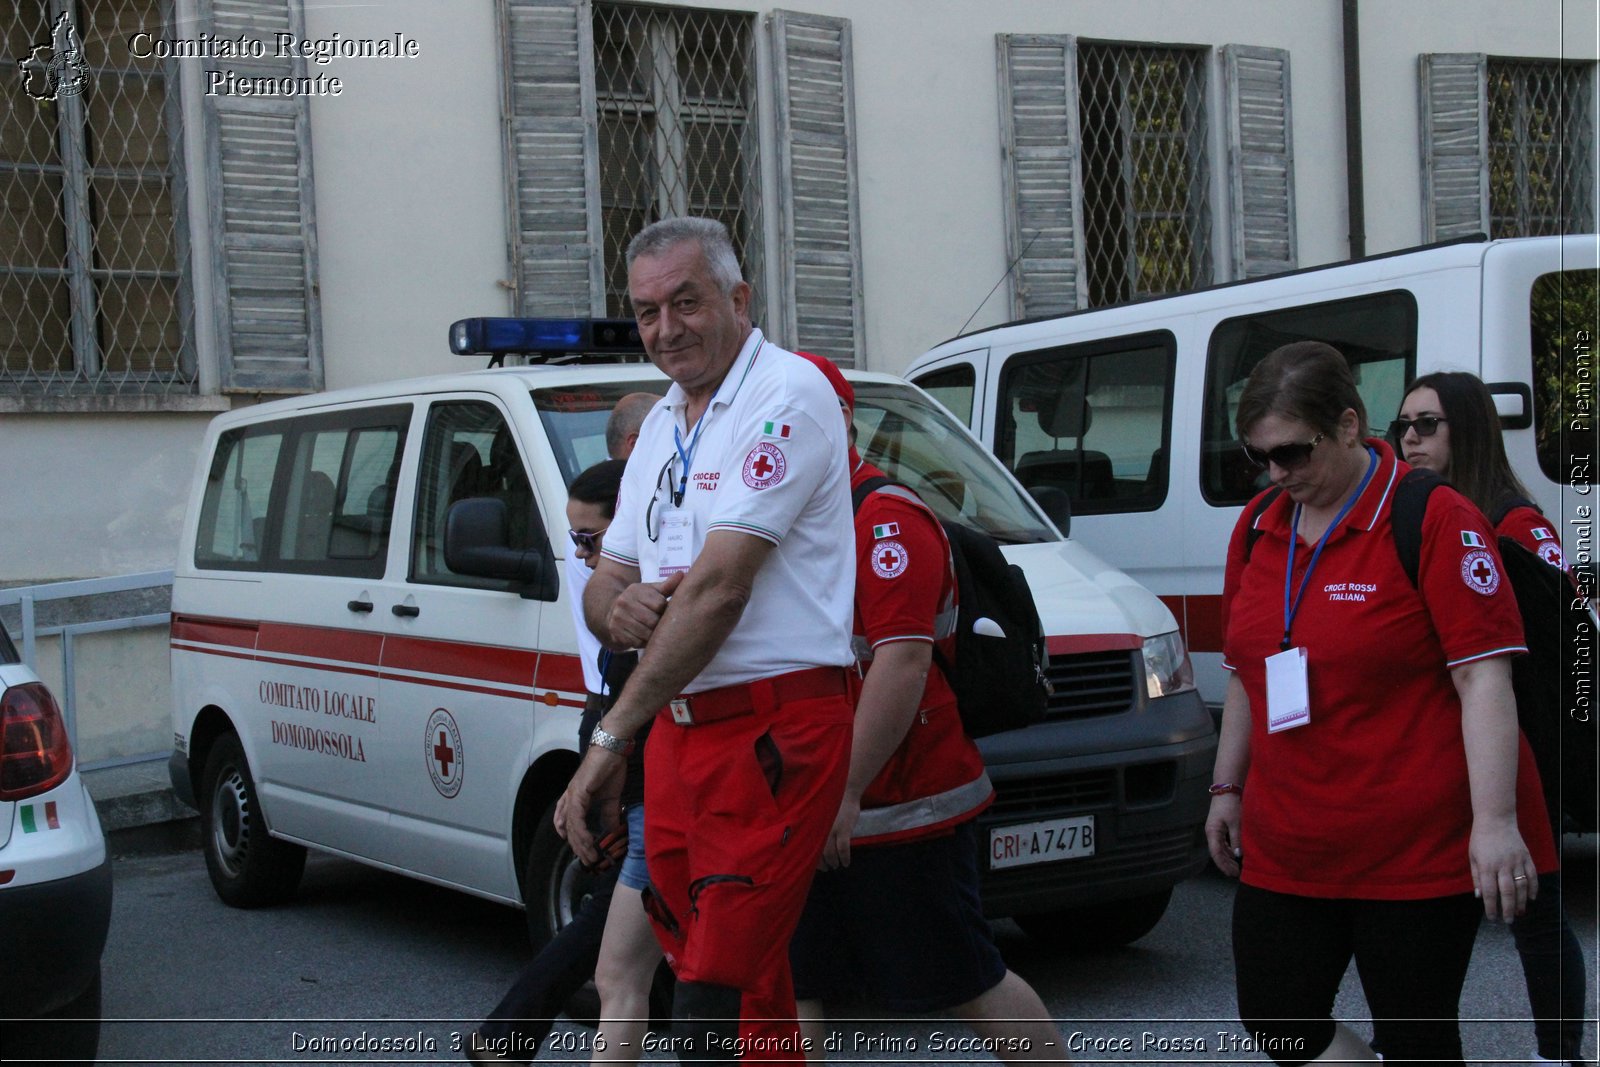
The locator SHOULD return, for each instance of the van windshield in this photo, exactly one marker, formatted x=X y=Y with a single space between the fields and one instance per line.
x=917 y=443
x=900 y=430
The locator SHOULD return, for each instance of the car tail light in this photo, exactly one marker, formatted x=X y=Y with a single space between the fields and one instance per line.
x=35 y=754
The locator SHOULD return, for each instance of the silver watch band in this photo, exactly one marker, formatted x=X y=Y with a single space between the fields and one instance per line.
x=611 y=742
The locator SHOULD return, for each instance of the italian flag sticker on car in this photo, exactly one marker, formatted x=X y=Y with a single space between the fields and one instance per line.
x=30 y=817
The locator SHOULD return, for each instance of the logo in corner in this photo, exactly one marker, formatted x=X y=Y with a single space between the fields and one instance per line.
x=1480 y=573
x=441 y=745
x=55 y=70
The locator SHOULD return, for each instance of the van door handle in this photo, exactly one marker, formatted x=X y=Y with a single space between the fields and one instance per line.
x=406 y=611
x=362 y=606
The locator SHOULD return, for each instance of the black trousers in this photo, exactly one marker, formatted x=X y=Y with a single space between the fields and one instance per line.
x=1290 y=954
x=522 y=1020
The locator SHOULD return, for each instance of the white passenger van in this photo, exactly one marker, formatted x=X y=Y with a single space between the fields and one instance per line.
x=349 y=675
x=1124 y=415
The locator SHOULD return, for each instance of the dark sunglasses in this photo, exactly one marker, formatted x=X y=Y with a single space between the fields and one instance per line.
x=1287 y=457
x=589 y=542
x=1425 y=425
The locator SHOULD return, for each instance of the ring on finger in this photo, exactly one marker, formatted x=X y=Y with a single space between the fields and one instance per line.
x=1519 y=878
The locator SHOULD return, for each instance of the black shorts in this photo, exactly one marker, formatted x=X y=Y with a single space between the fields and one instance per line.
x=902 y=925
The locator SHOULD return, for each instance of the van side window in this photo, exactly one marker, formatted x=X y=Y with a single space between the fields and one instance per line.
x=1376 y=333
x=233 y=513
x=954 y=388
x=1561 y=314
x=468 y=450
x=310 y=495
x=1091 y=421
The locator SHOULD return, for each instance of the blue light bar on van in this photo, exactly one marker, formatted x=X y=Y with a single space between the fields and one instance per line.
x=545 y=337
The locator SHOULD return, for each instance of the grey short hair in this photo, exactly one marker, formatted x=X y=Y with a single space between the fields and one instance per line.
x=712 y=236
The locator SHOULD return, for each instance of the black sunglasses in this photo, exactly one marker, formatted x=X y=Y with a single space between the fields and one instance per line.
x=1425 y=425
x=1287 y=457
x=589 y=542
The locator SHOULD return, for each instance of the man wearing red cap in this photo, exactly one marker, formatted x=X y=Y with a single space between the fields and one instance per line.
x=901 y=859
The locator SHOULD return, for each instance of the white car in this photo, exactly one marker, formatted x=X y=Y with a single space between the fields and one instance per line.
x=55 y=878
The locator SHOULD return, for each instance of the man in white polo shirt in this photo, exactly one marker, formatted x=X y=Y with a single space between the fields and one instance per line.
x=731 y=563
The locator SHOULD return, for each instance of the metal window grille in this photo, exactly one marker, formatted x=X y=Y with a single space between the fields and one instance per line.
x=676 y=94
x=1541 y=148
x=93 y=287
x=1146 y=195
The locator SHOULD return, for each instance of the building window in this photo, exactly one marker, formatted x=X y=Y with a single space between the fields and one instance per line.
x=93 y=292
x=675 y=90
x=1146 y=188
x=1541 y=147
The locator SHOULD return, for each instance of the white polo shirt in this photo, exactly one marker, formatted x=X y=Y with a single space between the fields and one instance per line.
x=771 y=461
x=578 y=575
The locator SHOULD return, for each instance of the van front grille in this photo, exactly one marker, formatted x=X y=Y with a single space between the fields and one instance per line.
x=1087 y=684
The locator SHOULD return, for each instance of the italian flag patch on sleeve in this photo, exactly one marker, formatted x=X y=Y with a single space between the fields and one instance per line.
x=775 y=429
x=1471 y=539
x=888 y=529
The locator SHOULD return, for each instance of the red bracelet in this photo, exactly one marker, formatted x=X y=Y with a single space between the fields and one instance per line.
x=1219 y=788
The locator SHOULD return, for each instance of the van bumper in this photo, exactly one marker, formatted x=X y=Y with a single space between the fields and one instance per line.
x=1142 y=774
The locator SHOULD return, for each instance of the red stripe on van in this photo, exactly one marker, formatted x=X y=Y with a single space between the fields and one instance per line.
x=349 y=646
x=1074 y=643
x=214 y=631
x=560 y=672
x=508 y=666
x=1200 y=617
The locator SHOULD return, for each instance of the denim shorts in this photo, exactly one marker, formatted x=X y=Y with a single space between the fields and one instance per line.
x=634 y=873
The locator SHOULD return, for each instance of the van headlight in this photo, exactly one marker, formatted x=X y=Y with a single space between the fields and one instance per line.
x=1166 y=665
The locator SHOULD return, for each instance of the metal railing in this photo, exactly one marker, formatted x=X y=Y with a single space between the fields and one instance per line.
x=27 y=597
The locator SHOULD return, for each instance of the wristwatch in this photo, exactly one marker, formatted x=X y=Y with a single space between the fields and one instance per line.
x=611 y=742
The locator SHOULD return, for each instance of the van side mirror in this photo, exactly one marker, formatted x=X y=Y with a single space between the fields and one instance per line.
x=1056 y=505
x=477 y=542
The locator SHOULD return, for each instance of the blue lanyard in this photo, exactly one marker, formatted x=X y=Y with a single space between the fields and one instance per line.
x=1290 y=610
x=686 y=456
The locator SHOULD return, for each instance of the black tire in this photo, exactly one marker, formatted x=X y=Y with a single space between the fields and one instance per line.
x=69 y=1035
x=554 y=883
x=1096 y=926
x=249 y=868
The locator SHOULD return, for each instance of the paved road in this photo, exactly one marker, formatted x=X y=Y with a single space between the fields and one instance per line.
x=362 y=954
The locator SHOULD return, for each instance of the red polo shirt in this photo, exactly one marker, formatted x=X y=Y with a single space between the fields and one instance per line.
x=1370 y=799
x=936 y=778
x=1534 y=532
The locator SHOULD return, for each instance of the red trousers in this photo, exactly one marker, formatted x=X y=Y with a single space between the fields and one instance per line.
x=736 y=814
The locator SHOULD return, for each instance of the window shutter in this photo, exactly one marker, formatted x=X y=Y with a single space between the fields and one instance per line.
x=1043 y=172
x=263 y=225
x=1455 y=152
x=819 y=214
x=552 y=154
x=1260 y=160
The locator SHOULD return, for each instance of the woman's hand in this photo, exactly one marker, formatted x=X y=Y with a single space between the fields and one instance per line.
x=1222 y=833
x=1502 y=870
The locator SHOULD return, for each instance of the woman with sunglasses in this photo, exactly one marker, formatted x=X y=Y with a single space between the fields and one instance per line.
x=1449 y=425
x=1368 y=764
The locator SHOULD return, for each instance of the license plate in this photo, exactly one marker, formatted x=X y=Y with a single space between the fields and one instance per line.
x=1041 y=842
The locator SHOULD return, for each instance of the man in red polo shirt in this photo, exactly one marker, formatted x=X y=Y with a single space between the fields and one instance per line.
x=902 y=859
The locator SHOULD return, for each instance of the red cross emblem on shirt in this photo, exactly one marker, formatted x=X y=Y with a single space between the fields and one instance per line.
x=1479 y=572
x=1482 y=572
x=888 y=558
x=762 y=466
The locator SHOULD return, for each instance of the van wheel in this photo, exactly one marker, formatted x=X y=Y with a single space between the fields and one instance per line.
x=249 y=868
x=1108 y=924
x=554 y=883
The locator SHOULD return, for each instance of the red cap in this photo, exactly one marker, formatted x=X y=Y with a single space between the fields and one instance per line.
x=835 y=377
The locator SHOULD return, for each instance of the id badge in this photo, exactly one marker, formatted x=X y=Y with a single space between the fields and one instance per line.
x=675 y=549
x=1288 y=696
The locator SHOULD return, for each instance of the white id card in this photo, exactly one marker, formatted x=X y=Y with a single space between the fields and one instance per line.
x=1288 y=696
x=675 y=548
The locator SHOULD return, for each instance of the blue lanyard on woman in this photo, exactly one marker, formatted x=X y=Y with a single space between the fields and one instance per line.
x=1290 y=610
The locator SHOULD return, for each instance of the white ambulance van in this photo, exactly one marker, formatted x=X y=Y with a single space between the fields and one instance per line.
x=349 y=676
x=1124 y=416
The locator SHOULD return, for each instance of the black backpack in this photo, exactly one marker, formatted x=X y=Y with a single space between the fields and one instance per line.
x=1553 y=691
x=1000 y=682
